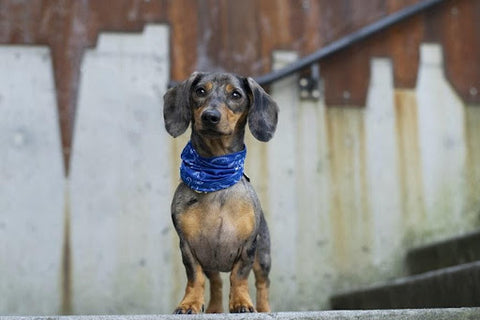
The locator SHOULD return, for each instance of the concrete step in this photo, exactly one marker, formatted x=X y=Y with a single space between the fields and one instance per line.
x=419 y=314
x=457 y=286
x=447 y=253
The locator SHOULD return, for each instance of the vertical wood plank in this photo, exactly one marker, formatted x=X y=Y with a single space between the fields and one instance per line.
x=462 y=48
x=346 y=75
x=186 y=36
x=275 y=29
x=403 y=41
x=243 y=46
x=212 y=21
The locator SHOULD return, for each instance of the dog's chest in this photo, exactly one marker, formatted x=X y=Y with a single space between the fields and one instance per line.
x=217 y=229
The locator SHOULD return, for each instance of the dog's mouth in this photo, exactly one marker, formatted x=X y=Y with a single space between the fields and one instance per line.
x=213 y=132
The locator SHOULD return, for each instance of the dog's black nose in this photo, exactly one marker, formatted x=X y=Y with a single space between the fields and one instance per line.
x=211 y=116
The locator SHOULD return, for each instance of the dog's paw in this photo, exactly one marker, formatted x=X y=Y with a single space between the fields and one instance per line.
x=242 y=309
x=240 y=301
x=241 y=306
x=192 y=308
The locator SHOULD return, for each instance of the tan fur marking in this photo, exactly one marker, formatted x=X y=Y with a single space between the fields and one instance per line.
x=194 y=293
x=197 y=115
x=190 y=222
x=232 y=117
x=229 y=120
x=243 y=218
x=262 y=285
x=209 y=85
x=228 y=125
x=205 y=219
x=229 y=88
x=239 y=295
x=215 y=305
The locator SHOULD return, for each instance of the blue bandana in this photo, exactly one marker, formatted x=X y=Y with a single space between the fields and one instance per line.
x=211 y=174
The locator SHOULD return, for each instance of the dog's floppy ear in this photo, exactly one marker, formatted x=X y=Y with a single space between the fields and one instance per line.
x=176 y=106
x=263 y=113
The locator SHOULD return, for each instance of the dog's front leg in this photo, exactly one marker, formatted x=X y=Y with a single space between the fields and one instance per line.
x=240 y=300
x=193 y=301
x=215 y=305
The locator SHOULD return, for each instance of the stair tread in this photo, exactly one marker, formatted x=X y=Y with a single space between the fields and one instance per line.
x=405 y=314
x=445 y=253
x=454 y=286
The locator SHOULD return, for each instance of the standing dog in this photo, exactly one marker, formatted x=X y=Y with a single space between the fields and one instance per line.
x=215 y=210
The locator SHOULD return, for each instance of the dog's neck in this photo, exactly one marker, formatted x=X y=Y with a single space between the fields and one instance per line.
x=213 y=173
x=212 y=146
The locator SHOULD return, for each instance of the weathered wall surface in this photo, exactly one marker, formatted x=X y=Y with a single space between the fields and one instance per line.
x=31 y=183
x=119 y=183
x=346 y=191
x=367 y=184
x=239 y=36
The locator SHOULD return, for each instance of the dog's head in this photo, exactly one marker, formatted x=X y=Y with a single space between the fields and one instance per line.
x=217 y=104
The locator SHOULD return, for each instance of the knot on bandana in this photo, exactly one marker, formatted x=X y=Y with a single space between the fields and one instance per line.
x=211 y=174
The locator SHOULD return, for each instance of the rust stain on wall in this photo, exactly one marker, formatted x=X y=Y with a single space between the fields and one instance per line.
x=213 y=35
x=336 y=213
x=411 y=184
x=473 y=160
x=66 y=276
x=349 y=214
x=256 y=168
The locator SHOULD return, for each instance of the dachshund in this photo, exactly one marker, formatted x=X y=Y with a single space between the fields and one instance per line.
x=221 y=229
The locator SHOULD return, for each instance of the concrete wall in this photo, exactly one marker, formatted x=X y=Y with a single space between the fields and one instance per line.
x=31 y=183
x=346 y=191
x=350 y=190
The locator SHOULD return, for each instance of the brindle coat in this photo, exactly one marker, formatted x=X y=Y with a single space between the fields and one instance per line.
x=222 y=231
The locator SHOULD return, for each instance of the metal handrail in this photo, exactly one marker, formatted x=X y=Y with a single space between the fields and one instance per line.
x=346 y=41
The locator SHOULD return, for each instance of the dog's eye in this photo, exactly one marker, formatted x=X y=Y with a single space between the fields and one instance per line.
x=201 y=92
x=236 y=95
